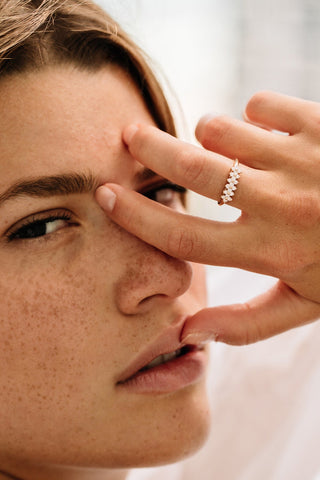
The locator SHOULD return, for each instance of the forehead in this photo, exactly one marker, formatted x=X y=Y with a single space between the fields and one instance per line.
x=65 y=115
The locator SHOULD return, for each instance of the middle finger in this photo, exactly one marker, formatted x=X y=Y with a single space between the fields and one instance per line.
x=193 y=167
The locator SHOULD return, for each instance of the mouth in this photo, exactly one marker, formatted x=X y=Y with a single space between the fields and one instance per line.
x=165 y=365
x=168 y=357
x=168 y=372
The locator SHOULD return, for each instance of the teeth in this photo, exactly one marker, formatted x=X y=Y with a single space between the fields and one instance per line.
x=163 y=359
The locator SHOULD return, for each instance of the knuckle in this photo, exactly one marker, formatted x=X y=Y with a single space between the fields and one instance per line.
x=181 y=243
x=253 y=332
x=290 y=258
x=245 y=332
x=303 y=210
x=290 y=248
x=280 y=257
x=192 y=168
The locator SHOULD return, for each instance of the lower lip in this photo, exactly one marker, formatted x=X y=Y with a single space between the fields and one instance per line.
x=169 y=377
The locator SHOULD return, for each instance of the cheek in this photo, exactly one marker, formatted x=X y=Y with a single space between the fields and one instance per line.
x=55 y=332
x=58 y=317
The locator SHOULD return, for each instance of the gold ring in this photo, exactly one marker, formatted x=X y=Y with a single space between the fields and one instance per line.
x=231 y=184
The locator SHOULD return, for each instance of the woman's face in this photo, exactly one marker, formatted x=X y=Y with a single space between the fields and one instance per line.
x=84 y=304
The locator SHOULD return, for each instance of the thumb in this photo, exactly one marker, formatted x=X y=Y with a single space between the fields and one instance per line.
x=275 y=311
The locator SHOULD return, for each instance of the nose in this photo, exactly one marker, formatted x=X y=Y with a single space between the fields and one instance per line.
x=151 y=279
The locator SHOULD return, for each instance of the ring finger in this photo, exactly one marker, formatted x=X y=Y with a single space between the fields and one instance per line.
x=252 y=145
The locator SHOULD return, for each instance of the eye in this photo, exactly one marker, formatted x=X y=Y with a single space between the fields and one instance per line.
x=167 y=193
x=39 y=226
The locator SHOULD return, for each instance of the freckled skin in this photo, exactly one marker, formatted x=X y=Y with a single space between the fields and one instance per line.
x=77 y=308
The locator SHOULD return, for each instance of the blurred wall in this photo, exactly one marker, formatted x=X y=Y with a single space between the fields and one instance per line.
x=217 y=53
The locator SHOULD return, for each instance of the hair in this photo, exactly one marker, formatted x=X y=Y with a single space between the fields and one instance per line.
x=39 y=33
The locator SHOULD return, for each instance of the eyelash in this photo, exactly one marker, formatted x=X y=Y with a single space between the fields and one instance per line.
x=27 y=230
x=21 y=232
x=150 y=192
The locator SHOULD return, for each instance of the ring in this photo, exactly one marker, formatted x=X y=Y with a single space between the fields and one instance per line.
x=231 y=184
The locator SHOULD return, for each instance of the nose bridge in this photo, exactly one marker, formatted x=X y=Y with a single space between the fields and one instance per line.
x=151 y=276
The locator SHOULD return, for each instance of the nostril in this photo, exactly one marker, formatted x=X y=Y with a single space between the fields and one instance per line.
x=135 y=306
x=150 y=281
x=146 y=303
x=160 y=296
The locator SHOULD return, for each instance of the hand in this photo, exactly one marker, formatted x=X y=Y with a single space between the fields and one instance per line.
x=278 y=232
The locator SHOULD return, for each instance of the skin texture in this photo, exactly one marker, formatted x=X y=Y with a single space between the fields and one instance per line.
x=278 y=231
x=78 y=305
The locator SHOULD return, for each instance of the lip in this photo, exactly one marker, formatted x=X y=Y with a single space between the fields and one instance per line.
x=167 y=377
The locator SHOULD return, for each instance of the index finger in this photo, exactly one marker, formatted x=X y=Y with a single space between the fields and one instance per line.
x=193 y=167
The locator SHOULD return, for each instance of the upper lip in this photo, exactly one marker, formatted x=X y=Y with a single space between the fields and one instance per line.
x=168 y=341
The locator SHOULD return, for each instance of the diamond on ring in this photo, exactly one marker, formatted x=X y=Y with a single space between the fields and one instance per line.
x=231 y=184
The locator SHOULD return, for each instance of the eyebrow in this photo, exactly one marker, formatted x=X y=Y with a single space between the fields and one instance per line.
x=64 y=184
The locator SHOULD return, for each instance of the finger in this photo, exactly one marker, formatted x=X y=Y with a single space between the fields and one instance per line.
x=252 y=145
x=279 y=112
x=193 y=167
x=180 y=235
x=269 y=314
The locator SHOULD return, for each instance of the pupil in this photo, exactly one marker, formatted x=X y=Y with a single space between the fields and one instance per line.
x=31 y=231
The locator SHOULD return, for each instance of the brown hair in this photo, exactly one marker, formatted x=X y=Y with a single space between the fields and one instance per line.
x=36 y=33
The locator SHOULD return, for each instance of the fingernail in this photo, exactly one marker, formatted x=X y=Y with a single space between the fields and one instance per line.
x=197 y=338
x=208 y=116
x=129 y=132
x=245 y=116
x=106 y=198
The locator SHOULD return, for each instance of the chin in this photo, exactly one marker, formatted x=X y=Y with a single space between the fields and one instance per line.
x=172 y=433
x=148 y=431
x=181 y=446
